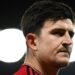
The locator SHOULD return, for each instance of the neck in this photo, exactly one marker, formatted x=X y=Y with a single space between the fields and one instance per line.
x=49 y=70
x=41 y=68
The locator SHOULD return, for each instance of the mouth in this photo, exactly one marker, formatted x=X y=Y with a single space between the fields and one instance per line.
x=65 y=53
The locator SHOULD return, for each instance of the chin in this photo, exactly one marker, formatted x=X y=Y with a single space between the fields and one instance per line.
x=62 y=63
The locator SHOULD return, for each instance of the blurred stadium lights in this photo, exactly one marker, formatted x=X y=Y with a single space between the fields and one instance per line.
x=12 y=45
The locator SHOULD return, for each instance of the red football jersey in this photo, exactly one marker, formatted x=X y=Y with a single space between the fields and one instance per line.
x=26 y=70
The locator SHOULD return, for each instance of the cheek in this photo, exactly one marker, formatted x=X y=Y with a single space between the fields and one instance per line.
x=49 y=44
x=48 y=48
x=53 y=43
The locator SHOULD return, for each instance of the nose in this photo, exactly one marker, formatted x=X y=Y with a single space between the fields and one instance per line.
x=67 y=39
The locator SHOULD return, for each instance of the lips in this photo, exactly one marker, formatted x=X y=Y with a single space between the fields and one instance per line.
x=65 y=51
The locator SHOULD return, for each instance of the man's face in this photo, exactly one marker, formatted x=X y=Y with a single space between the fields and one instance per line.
x=54 y=44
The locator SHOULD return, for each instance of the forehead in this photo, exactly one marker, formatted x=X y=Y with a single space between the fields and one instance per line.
x=63 y=24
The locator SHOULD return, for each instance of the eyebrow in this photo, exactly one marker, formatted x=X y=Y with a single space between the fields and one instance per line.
x=57 y=30
x=62 y=30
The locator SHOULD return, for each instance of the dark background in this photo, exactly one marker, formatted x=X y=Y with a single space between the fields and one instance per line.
x=10 y=16
x=12 y=10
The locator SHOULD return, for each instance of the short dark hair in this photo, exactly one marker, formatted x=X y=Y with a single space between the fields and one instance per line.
x=34 y=17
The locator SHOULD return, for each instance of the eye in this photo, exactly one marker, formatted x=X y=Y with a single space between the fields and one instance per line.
x=58 y=33
x=71 y=33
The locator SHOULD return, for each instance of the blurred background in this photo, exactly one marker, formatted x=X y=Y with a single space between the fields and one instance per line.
x=11 y=12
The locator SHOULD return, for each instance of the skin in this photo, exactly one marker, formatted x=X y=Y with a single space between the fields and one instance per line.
x=52 y=48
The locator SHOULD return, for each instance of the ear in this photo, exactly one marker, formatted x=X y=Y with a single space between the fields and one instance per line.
x=30 y=40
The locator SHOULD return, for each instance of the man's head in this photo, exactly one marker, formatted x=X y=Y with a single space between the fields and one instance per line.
x=48 y=28
x=34 y=17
